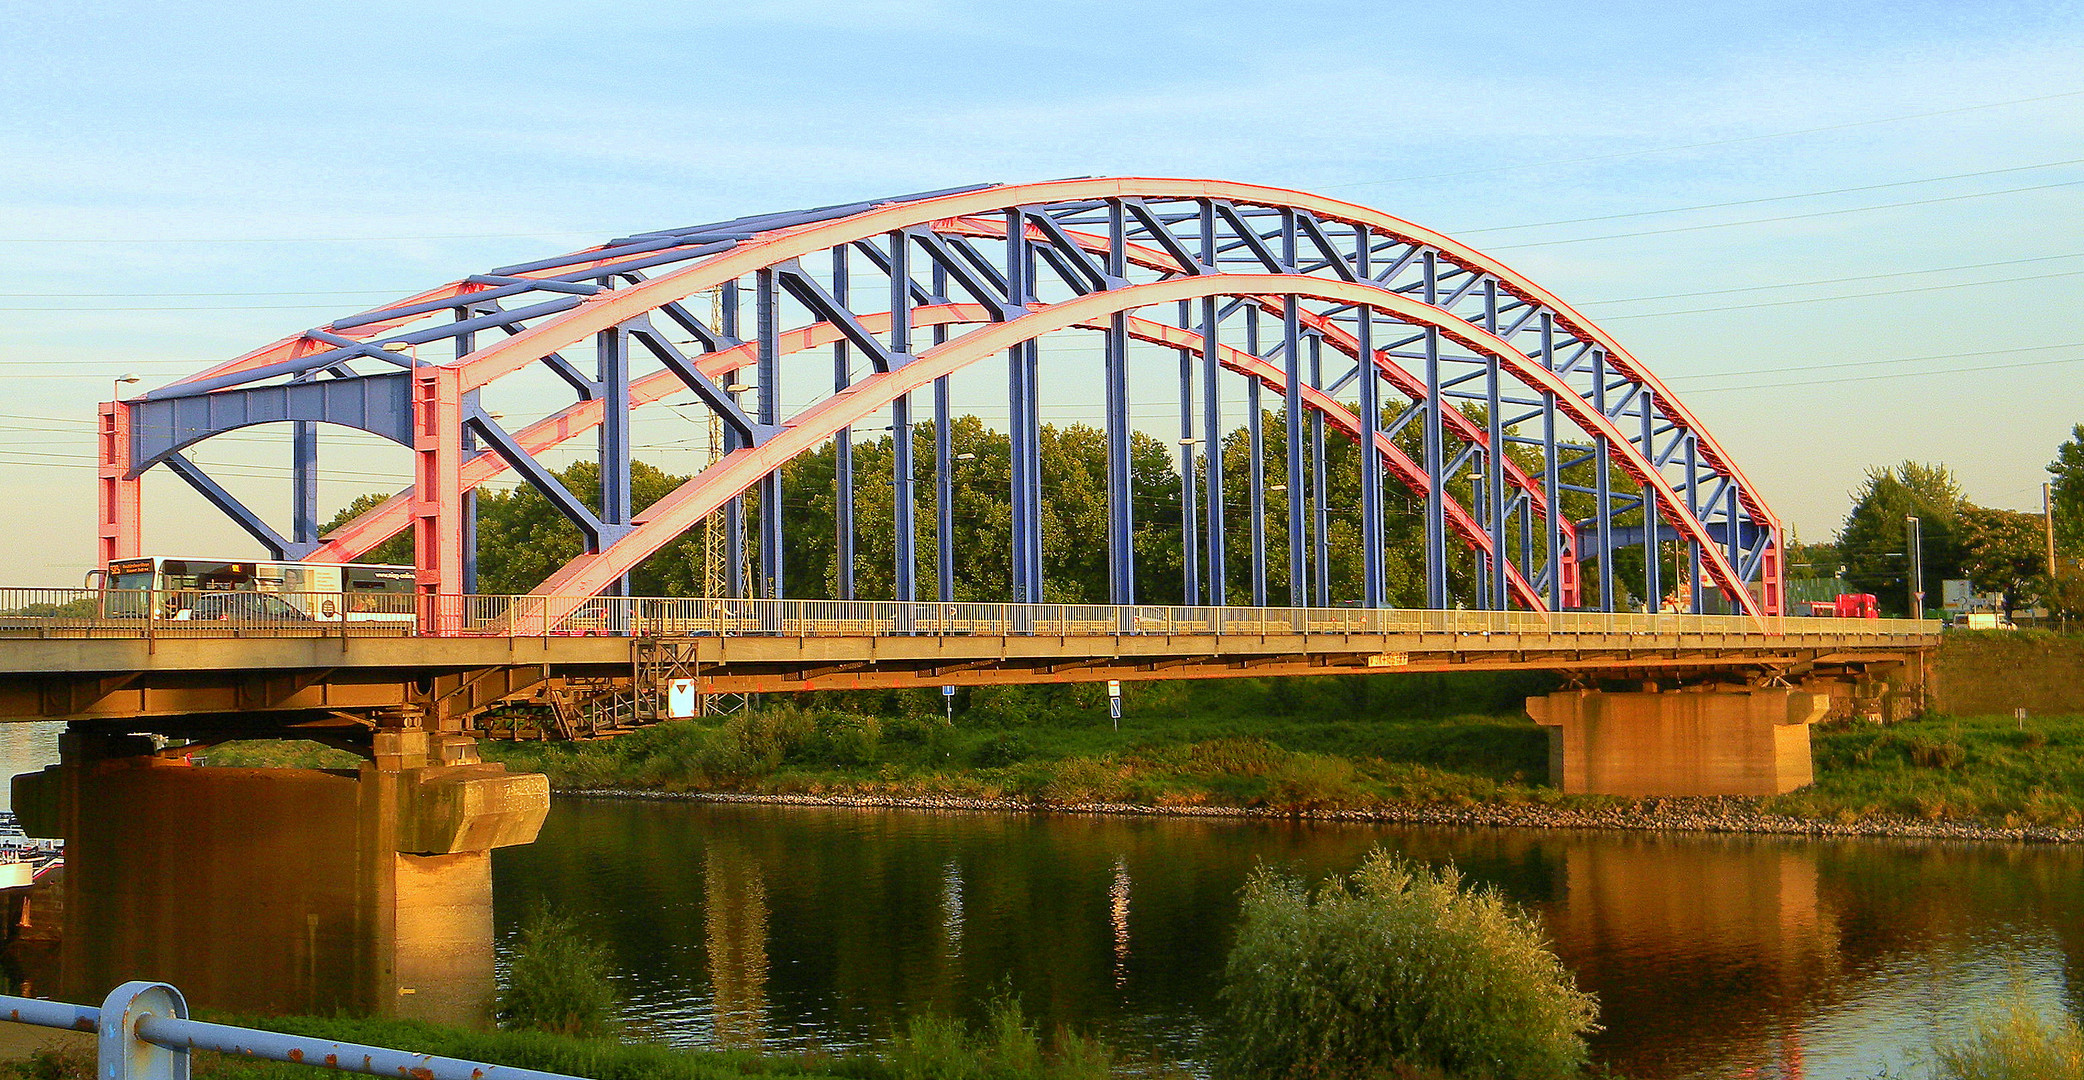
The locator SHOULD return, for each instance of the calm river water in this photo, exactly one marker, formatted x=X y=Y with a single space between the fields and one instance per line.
x=792 y=927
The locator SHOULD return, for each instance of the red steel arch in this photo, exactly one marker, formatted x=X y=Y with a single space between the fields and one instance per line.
x=1745 y=551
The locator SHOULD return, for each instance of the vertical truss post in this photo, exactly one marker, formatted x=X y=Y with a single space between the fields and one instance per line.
x=1735 y=547
x=1698 y=598
x=843 y=439
x=437 y=494
x=1370 y=463
x=612 y=358
x=903 y=501
x=1551 y=468
x=303 y=469
x=1121 y=526
x=1212 y=421
x=1603 y=487
x=767 y=326
x=466 y=343
x=1292 y=422
x=1320 y=521
x=121 y=506
x=1190 y=508
x=1256 y=487
x=1494 y=460
x=943 y=467
x=1653 y=584
x=734 y=510
x=1026 y=438
x=1435 y=452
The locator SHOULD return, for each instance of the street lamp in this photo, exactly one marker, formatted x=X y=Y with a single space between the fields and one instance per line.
x=116 y=394
x=1914 y=533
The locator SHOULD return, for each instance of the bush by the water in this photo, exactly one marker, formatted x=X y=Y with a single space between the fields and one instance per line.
x=1399 y=970
x=1006 y=1047
x=2015 y=1044
x=558 y=979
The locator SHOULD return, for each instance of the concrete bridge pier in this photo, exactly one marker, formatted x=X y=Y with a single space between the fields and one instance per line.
x=1706 y=740
x=284 y=890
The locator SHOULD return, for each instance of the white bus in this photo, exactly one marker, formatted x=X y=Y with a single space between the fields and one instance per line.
x=246 y=589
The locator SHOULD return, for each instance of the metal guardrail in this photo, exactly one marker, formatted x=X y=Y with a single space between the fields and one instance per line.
x=144 y=1033
x=153 y=615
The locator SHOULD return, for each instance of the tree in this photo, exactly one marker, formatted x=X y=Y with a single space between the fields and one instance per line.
x=1873 y=542
x=2002 y=551
x=2067 y=471
x=523 y=538
x=397 y=551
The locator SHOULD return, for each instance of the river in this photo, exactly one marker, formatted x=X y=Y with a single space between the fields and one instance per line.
x=794 y=928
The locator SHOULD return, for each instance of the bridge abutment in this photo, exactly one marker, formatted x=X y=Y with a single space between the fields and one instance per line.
x=283 y=890
x=1704 y=741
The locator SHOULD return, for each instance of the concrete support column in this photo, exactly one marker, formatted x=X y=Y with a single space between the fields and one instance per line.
x=284 y=890
x=1711 y=741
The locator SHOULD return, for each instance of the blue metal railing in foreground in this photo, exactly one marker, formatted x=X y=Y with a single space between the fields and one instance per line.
x=145 y=1034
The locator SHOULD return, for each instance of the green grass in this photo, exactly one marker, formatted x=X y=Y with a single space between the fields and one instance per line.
x=1005 y=1047
x=1257 y=743
x=1285 y=744
x=1985 y=768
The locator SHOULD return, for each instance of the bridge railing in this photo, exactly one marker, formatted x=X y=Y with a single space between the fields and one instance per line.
x=142 y=1032
x=187 y=613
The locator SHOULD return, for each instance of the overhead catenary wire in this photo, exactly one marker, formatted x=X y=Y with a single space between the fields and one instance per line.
x=1771 y=198
x=1789 y=217
x=1735 y=141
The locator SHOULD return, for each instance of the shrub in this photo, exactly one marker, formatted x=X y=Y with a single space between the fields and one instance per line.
x=1086 y=780
x=843 y=740
x=933 y=1047
x=1005 y=748
x=1306 y=781
x=558 y=979
x=1937 y=755
x=2015 y=1044
x=1237 y=755
x=1398 y=970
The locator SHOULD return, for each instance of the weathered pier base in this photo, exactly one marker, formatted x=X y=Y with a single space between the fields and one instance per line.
x=284 y=890
x=1705 y=741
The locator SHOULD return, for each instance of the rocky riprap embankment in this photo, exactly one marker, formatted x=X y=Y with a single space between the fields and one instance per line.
x=1711 y=814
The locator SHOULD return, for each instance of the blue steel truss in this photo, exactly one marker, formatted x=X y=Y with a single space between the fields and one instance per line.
x=1490 y=403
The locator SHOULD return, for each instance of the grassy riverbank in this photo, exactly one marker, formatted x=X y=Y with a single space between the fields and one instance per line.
x=1287 y=745
x=1007 y=1047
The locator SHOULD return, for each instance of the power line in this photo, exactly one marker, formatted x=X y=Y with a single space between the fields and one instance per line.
x=1846 y=296
x=293 y=239
x=297 y=292
x=1872 y=363
x=1892 y=375
x=1717 y=142
x=1773 y=198
x=1790 y=217
x=1839 y=280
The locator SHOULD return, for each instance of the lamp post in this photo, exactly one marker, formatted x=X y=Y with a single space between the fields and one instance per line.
x=116 y=393
x=1915 y=537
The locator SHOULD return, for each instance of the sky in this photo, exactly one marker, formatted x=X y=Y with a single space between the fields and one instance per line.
x=1846 y=234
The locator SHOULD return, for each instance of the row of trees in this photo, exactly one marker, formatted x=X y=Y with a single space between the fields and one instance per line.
x=522 y=538
x=1998 y=550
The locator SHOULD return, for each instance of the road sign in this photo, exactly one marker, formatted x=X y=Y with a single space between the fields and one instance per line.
x=680 y=699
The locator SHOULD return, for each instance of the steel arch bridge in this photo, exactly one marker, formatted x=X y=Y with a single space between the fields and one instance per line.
x=1486 y=398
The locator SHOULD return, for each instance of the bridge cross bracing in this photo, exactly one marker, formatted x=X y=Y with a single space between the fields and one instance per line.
x=1529 y=440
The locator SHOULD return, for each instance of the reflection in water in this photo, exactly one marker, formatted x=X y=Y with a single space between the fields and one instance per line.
x=951 y=907
x=1711 y=956
x=734 y=922
x=1118 y=919
x=26 y=748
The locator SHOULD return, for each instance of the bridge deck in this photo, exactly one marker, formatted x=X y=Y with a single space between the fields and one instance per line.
x=83 y=665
